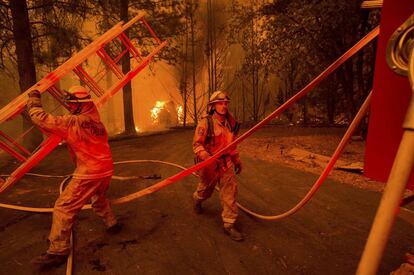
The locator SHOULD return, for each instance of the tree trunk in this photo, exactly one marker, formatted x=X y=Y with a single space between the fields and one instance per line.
x=348 y=83
x=194 y=61
x=244 y=101
x=209 y=49
x=185 y=97
x=126 y=67
x=25 y=62
x=214 y=49
x=252 y=49
x=360 y=59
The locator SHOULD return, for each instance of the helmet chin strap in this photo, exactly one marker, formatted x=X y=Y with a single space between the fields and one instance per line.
x=78 y=109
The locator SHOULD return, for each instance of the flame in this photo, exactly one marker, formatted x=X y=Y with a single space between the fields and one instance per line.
x=180 y=114
x=156 y=110
x=137 y=129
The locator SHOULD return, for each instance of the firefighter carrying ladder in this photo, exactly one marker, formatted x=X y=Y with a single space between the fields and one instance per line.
x=110 y=48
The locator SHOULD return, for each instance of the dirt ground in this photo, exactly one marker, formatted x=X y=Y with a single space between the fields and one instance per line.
x=321 y=144
x=162 y=235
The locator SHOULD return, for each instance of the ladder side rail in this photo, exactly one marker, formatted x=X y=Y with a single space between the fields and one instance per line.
x=45 y=148
x=17 y=105
x=133 y=21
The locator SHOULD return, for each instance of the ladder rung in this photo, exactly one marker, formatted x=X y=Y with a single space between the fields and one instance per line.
x=129 y=46
x=111 y=64
x=85 y=77
x=150 y=30
x=116 y=60
x=12 y=141
x=11 y=151
x=57 y=94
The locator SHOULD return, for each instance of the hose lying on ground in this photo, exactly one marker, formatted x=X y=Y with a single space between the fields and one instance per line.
x=288 y=213
x=369 y=37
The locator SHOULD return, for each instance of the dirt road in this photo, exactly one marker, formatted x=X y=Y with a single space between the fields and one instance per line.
x=163 y=236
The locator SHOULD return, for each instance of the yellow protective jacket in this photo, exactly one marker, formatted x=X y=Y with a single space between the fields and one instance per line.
x=85 y=135
x=221 y=137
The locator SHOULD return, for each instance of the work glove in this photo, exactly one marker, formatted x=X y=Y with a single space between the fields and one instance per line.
x=34 y=99
x=203 y=155
x=237 y=163
x=34 y=93
x=238 y=167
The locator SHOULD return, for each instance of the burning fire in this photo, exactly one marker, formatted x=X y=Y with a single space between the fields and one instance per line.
x=167 y=114
x=180 y=114
x=156 y=110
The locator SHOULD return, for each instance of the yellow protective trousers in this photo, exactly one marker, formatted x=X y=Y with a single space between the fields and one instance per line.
x=226 y=180
x=68 y=205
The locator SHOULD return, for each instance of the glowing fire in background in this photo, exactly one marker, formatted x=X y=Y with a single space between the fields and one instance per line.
x=180 y=114
x=156 y=110
x=167 y=114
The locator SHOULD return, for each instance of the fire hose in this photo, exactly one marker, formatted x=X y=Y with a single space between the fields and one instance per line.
x=288 y=213
x=365 y=40
x=151 y=189
x=187 y=171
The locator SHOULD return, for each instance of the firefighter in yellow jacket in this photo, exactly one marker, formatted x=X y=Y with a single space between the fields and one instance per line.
x=214 y=132
x=87 y=142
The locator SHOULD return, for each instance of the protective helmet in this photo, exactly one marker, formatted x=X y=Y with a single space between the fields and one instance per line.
x=78 y=94
x=219 y=96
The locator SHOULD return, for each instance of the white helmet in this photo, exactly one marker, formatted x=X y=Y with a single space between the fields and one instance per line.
x=78 y=94
x=218 y=96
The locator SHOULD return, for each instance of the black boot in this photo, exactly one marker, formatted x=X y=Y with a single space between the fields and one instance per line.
x=233 y=233
x=49 y=260
x=197 y=206
x=115 y=229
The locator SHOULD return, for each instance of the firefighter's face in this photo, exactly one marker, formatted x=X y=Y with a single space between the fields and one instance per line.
x=222 y=107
